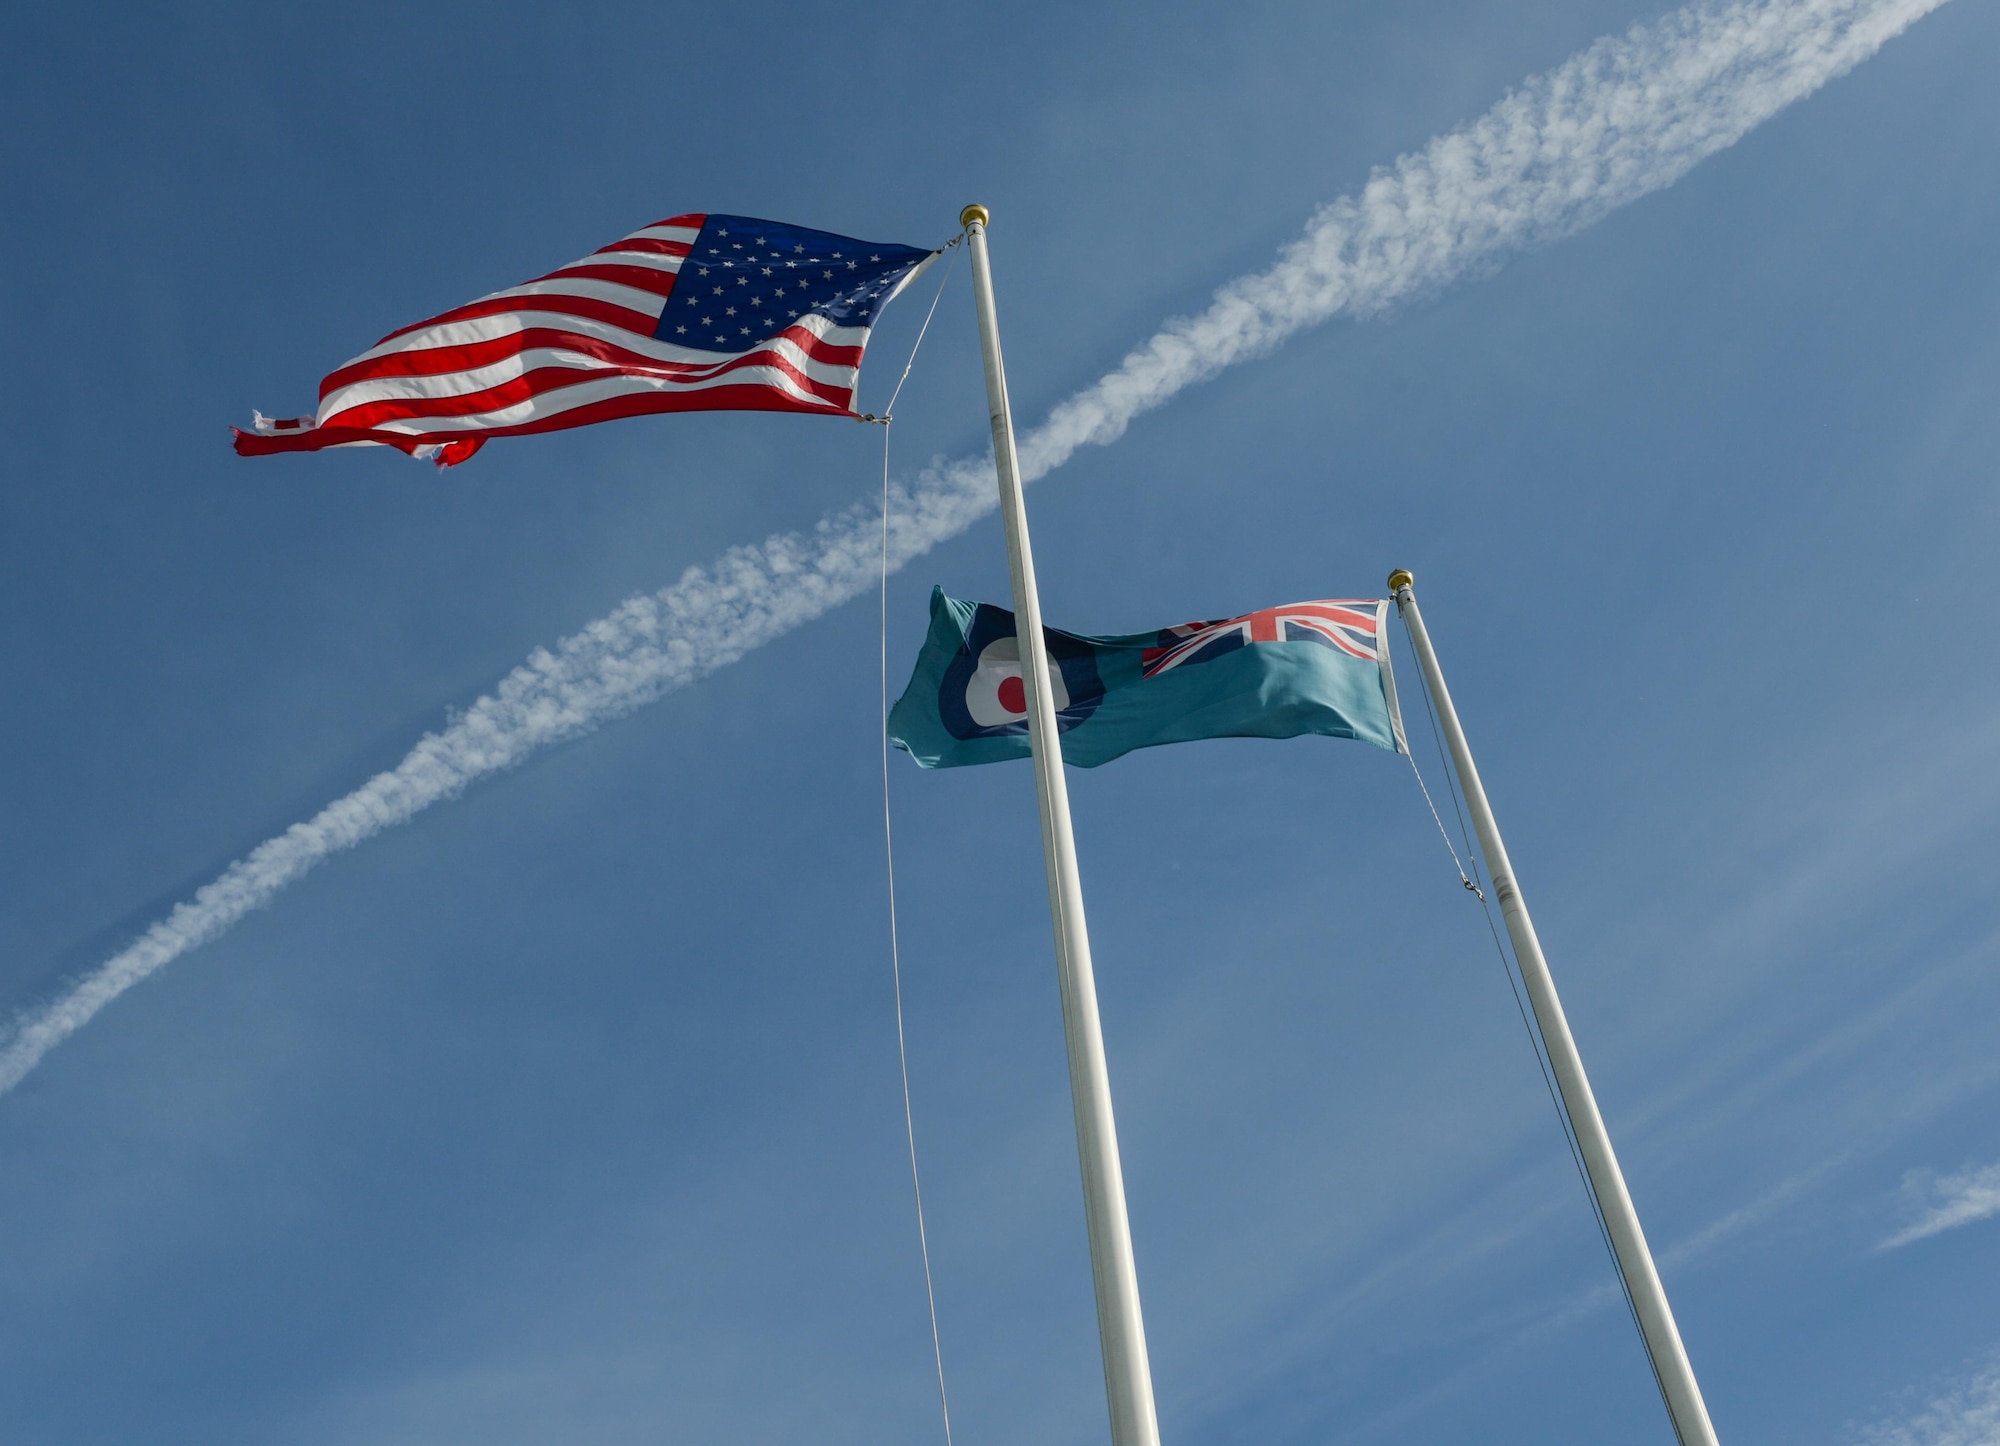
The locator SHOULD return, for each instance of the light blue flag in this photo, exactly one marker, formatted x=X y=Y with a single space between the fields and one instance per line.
x=1311 y=667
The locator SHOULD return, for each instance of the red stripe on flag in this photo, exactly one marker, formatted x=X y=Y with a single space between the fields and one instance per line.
x=639 y=278
x=460 y=445
x=469 y=356
x=434 y=361
x=649 y=244
x=591 y=309
x=541 y=381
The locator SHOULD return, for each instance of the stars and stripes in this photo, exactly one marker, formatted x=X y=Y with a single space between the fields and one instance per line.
x=699 y=312
x=1349 y=625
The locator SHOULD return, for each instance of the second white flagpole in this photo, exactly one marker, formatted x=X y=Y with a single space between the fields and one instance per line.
x=1128 y=1378
x=1662 y=1338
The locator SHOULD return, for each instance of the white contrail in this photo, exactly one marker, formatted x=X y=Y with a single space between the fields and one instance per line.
x=1627 y=116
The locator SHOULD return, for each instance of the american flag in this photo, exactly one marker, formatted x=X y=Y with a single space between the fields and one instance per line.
x=693 y=313
x=1350 y=625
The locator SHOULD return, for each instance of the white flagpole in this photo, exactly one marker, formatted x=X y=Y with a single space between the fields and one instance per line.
x=1662 y=1337
x=1128 y=1379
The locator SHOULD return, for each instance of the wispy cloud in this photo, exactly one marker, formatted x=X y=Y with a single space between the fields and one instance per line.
x=1756 y=1212
x=1950 y=1201
x=1627 y=116
x=1703 y=1242
x=1967 y=1414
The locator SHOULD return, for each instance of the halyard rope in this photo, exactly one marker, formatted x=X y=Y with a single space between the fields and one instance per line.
x=889 y=854
x=1463 y=877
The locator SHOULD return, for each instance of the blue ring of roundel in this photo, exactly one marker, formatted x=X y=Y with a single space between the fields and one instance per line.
x=1076 y=659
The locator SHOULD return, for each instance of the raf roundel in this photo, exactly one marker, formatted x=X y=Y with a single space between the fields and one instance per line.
x=982 y=694
x=995 y=694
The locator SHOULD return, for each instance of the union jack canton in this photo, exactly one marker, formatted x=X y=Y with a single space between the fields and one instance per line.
x=1351 y=625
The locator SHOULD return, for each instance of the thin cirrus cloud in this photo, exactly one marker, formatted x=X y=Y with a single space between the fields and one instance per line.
x=1954 y=1200
x=1966 y=1414
x=1629 y=115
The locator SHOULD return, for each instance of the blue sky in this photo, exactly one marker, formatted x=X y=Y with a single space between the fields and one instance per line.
x=569 y=1111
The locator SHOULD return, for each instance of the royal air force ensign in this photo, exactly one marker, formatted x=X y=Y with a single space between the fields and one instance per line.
x=1308 y=667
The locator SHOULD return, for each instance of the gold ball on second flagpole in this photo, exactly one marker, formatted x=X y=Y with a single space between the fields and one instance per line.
x=972 y=213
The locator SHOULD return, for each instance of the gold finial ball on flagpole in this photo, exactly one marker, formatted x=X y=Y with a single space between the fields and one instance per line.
x=974 y=213
x=1401 y=578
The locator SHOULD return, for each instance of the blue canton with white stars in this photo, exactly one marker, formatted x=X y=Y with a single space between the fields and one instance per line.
x=747 y=280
